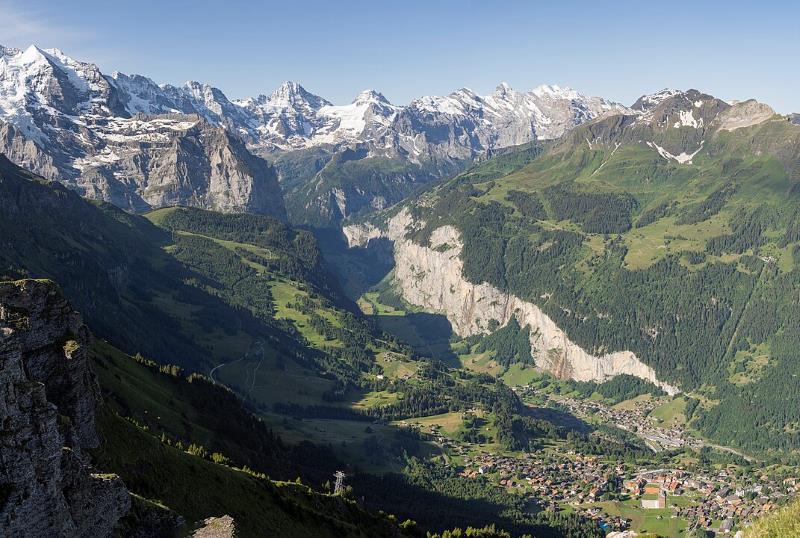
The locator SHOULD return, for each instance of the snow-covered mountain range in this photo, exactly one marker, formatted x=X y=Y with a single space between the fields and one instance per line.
x=139 y=144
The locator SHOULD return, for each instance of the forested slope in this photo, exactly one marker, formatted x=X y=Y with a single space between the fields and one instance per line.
x=671 y=238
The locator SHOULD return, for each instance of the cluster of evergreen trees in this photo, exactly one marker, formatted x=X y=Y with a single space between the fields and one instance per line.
x=617 y=389
x=596 y=212
x=511 y=344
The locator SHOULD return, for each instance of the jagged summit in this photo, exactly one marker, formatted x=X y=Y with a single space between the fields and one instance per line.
x=370 y=95
x=556 y=91
x=648 y=102
x=111 y=136
x=291 y=93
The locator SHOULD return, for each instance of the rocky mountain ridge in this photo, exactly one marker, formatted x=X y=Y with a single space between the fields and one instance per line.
x=125 y=139
x=675 y=124
x=67 y=121
x=455 y=126
x=50 y=397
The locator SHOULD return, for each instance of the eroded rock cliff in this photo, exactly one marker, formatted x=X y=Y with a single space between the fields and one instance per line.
x=48 y=401
x=431 y=277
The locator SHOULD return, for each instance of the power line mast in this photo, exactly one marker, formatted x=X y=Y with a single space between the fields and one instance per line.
x=339 y=486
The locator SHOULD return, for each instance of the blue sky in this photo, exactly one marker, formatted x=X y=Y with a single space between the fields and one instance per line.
x=335 y=48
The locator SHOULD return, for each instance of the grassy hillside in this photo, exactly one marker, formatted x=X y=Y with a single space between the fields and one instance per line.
x=115 y=269
x=690 y=265
x=181 y=443
x=196 y=411
x=197 y=488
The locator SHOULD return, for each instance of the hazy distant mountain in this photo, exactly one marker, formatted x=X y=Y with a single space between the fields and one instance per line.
x=128 y=140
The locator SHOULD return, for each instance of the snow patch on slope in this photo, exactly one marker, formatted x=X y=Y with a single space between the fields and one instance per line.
x=687 y=119
x=682 y=158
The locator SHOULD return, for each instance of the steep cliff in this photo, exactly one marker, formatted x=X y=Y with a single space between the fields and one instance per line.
x=48 y=400
x=141 y=163
x=431 y=277
x=130 y=141
x=126 y=140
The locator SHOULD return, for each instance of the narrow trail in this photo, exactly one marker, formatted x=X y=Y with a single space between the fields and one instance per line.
x=256 y=349
x=217 y=367
x=253 y=383
x=731 y=450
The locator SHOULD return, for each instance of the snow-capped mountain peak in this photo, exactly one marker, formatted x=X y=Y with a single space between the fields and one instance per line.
x=287 y=90
x=554 y=91
x=210 y=100
x=649 y=102
x=367 y=96
x=293 y=95
x=36 y=84
x=88 y=121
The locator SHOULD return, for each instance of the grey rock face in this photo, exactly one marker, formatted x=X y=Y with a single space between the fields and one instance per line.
x=24 y=152
x=744 y=114
x=199 y=165
x=431 y=277
x=128 y=140
x=48 y=400
x=125 y=139
x=217 y=527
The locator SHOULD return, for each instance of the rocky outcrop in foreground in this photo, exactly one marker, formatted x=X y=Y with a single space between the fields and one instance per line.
x=48 y=401
x=216 y=527
x=431 y=277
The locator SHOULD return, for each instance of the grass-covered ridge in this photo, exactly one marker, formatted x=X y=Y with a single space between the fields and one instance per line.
x=198 y=488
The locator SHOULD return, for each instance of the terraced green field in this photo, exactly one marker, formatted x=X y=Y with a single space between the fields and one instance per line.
x=518 y=375
x=285 y=294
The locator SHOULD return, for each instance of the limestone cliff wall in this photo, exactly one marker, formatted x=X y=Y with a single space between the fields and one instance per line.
x=431 y=277
x=48 y=401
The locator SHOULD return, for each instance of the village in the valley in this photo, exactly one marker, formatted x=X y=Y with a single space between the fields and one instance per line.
x=621 y=495
x=703 y=498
